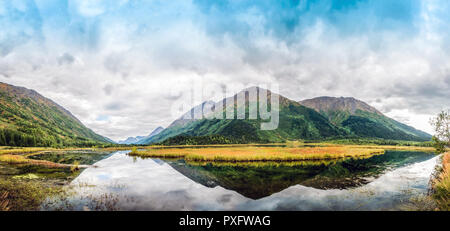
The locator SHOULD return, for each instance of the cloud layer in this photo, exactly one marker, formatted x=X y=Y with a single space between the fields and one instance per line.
x=119 y=66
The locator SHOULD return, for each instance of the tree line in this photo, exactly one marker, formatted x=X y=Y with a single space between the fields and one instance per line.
x=9 y=137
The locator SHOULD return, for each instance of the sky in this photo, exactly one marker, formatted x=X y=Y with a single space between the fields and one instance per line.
x=119 y=66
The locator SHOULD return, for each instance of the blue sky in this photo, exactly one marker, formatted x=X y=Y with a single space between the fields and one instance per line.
x=81 y=23
x=116 y=64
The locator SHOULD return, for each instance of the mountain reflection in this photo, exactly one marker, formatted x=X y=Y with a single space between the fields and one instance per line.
x=257 y=180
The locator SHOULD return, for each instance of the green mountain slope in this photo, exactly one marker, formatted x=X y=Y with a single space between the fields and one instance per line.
x=362 y=120
x=29 y=119
x=296 y=122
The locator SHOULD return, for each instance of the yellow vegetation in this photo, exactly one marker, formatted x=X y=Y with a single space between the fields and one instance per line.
x=441 y=184
x=397 y=148
x=5 y=150
x=259 y=164
x=246 y=154
x=18 y=159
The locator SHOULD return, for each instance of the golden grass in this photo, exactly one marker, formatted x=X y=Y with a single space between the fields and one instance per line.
x=303 y=163
x=4 y=151
x=441 y=184
x=37 y=150
x=248 y=154
x=291 y=151
x=18 y=159
x=395 y=148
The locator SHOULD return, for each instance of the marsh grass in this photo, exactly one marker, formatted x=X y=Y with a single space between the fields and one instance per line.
x=395 y=148
x=24 y=195
x=419 y=203
x=294 y=144
x=19 y=159
x=11 y=150
x=75 y=166
x=50 y=157
x=441 y=185
x=250 y=154
x=265 y=164
x=4 y=201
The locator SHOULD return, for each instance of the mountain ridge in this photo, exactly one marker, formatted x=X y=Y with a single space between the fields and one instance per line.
x=327 y=103
x=362 y=119
x=29 y=119
x=344 y=117
x=296 y=122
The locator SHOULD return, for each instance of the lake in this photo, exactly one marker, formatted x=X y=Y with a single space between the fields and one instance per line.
x=121 y=182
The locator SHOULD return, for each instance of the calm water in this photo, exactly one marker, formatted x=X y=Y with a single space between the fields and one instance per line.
x=384 y=182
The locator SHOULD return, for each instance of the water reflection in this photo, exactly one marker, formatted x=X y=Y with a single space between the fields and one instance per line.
x=261 y=179
x=377 y=183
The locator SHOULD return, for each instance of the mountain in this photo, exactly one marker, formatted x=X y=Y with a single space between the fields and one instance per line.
x=295 y=122
x=190 y=116
x=131 y=140
x=313 y=119
x=138 y=139
x=328 y=106
x=29 y=119
x=360 y=119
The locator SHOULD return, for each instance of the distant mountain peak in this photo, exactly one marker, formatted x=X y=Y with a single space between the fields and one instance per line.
x=138 y=139
x=346 y=104
x=156 y=131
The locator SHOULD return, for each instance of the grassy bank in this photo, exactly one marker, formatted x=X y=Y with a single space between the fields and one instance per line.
x=51 y=157
x=19 y=159
x=441 y=185
x=248 y=154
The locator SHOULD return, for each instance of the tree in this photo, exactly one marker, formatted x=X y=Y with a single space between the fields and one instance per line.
x=441 y=124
